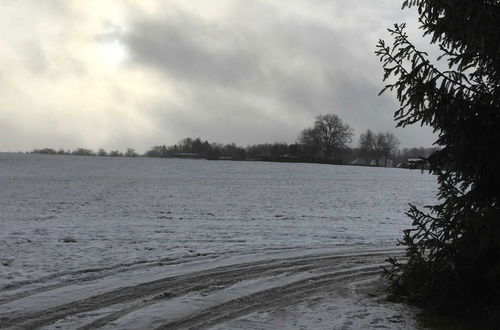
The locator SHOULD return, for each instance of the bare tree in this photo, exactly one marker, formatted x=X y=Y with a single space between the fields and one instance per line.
x=130 y=153
x=390 y=144
x=83 y=152
x=115 y=153
x=309 y=137
x=331 y=134
x=367 y=145
x=378 y=147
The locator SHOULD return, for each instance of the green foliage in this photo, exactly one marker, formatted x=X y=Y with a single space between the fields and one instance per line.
x=454 y=248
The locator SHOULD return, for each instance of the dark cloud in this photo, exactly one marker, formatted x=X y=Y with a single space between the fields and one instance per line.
x=184 y=48
x=244 y=82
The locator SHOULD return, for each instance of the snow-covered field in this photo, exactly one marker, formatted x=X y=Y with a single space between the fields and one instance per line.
x=138 y=243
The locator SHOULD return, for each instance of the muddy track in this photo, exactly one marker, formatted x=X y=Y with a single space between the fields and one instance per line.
x=84 y=275
x=332 y=269
x=15 y=290
x=277 y=297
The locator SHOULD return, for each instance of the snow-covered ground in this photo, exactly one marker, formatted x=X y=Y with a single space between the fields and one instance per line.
x=105 y=231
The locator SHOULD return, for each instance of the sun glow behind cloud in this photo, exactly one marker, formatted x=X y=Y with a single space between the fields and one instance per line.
x=113 y=53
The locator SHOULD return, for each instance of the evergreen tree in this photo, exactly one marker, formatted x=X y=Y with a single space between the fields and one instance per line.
x=454 y=247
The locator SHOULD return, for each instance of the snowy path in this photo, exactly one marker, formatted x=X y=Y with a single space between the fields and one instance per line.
x=197 y=294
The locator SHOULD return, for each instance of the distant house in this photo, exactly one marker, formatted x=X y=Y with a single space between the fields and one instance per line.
x=421 y=163
x=416 y=162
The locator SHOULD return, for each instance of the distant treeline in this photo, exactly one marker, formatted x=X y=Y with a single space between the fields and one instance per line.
x=324 y=142
x=87 y=152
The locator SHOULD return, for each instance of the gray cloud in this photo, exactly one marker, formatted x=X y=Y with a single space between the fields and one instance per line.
x=252 y=72
x=175 y=47
x=290 y=66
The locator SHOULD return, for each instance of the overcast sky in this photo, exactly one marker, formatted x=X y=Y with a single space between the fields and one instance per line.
x=119 y=74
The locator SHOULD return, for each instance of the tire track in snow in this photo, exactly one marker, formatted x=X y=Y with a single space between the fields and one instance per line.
x=281 y=296
x=87 y=274
x=151 y=292
x=221 y=283
x=14 y=291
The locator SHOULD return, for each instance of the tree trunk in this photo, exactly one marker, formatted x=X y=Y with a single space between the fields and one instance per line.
x=327 y=152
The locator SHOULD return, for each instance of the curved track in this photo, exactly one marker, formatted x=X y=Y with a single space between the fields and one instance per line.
x=206 y=296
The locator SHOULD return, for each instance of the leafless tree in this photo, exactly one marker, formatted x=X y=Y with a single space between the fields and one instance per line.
x=367 y=145
x=329 y=134
x=389 y=145
x=378 y=145
x=309 y=137
x=130 y=153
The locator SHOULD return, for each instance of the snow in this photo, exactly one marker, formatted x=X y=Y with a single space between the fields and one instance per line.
x=356 y=306
x=75 y=227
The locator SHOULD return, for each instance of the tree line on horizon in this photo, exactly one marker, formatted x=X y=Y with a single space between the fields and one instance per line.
x=326 y=139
